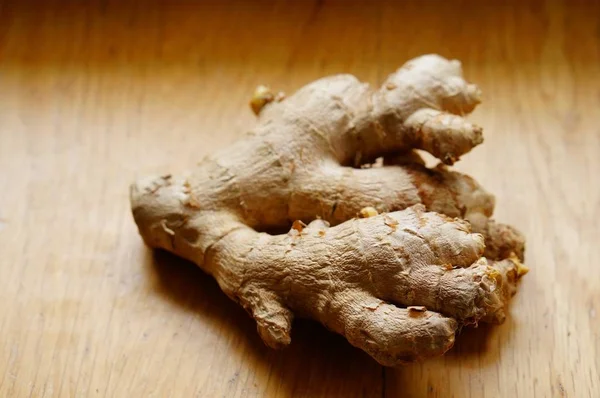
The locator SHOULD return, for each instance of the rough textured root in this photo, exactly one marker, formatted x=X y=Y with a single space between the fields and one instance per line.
x=273 y=319
x=361 y=123
x=390 y=334
x=395 y=283
x=337 y=193
x=510 y=270
x=502 y=241
x=431 y=125
x=458 y=195
x=414 y=258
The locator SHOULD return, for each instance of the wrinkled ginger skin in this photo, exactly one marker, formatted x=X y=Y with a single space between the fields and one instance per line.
x=420 y=106
x=356 y=276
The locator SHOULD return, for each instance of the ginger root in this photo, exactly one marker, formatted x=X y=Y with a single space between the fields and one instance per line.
x=396 y=283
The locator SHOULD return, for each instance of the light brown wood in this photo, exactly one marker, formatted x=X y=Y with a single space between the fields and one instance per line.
x=94 y=94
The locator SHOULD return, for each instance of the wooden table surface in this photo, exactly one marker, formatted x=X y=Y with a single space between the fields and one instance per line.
x=96 y=93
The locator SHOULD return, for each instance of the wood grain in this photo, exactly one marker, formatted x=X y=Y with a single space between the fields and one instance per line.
x=96 y=93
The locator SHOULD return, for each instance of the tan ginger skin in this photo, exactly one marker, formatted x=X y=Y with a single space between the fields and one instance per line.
x=397 y=283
